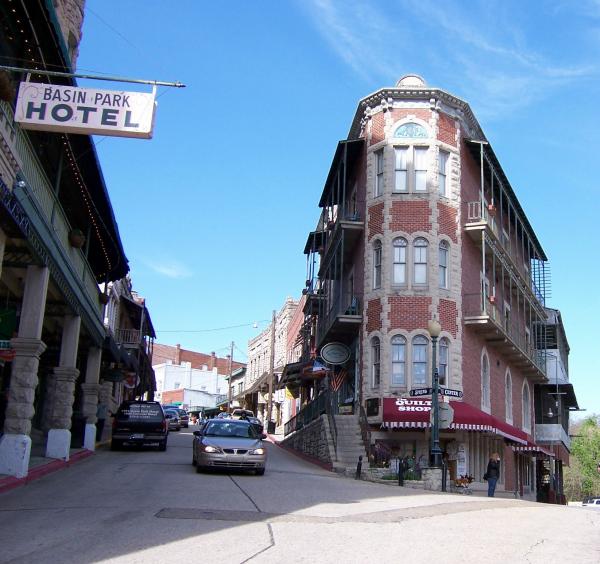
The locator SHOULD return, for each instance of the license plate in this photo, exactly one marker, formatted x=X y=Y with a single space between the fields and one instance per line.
x=137 y=436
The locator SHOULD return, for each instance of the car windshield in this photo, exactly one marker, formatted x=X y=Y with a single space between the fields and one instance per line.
x=230 y=429
x=172 y=412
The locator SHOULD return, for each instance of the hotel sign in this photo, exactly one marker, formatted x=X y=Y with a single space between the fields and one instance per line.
x=70 y=109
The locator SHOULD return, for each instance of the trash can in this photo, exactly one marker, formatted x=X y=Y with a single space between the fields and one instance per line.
x=78 y=423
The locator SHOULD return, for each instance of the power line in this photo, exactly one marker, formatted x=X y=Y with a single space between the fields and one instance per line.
x=210 y=330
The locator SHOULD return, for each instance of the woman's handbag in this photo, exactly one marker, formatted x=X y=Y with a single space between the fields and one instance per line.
x=485 y=476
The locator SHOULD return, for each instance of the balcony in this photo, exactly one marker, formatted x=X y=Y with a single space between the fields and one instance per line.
x=552 y=433
x=502 y=245
x=339 y=319
x=485 y=316
x=343 y=232
x=48 y=228
x=129 y=338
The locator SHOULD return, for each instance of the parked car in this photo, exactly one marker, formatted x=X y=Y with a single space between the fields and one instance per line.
x=184 y=418
x=229 y=443
x=242 y=413
x=223 y=415
x=591 y=502
x=256 y=423
x=173 y=420
x=140 y=423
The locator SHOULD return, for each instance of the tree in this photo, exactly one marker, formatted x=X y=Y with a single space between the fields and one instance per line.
x=583 y=477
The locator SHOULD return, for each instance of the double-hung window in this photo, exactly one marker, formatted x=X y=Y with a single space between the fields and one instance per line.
x=375 y=362
x=377 y=265
x=399 y=271
x=420 y=169
x=419 y=360
x=420 y=261
x=378 y=173
x=443 y=363
x=401 y=167
x=443 y=266
x=442 y=173
x=398 y=361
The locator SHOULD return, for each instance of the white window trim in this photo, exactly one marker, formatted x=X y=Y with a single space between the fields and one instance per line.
x=392 y=344
x=443 y=244
x=414 y=263
x=487 y=407
x=411 y=171
x=526 y=421
x=378 y=186
x=508 y=400
x=377 y=246
x=406 y=247
x=373 y=363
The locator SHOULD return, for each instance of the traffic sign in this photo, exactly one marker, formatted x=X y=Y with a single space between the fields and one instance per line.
x=421 y=392
x=450 y=393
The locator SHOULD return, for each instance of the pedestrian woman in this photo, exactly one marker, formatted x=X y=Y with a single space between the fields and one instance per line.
x=492 y=474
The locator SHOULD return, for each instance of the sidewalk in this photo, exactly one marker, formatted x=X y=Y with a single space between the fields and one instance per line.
x=40 y=466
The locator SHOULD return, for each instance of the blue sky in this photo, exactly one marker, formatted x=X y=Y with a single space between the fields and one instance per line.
x=215 y=210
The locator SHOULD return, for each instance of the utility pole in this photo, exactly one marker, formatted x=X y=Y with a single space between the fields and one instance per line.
x=271 y=372
x=229 y=379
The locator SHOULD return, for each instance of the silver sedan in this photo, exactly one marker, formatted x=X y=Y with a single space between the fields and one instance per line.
x=230 y=444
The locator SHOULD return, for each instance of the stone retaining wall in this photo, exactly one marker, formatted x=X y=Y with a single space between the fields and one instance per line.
x=313 y=440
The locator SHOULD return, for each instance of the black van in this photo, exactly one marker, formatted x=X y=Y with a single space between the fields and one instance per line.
x=141 y=423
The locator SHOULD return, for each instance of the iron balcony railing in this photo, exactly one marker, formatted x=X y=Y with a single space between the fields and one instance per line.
x=336 y=305
x=478 y=307
x=311 y=411
x=128 y=336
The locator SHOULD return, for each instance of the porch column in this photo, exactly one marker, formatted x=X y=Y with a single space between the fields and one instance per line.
x=90 y=389
x=61 y=391
x=15 y=444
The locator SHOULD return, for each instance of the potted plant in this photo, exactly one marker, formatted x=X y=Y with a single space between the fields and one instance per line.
x=76 y=238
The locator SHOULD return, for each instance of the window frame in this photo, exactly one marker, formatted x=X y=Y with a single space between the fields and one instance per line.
x=398 y=341
x=425 y=150
x=508 y=400
x=377 y=263
x=526 y=408
x=416 y=245
x=379 y=173
x=443 y=250
x=375 y=362
x=422 y=361
x=399 y=243
x=443 y=173
x=486 y=395
x=397 y=150
x=444 y=343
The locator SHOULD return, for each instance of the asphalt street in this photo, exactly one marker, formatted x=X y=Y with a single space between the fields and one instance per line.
x=149 y=506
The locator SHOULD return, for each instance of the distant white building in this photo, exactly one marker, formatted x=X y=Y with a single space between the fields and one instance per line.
x=171 y=376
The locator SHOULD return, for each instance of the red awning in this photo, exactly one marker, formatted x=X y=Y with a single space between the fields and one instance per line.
x=532 y=448
x=405 y=413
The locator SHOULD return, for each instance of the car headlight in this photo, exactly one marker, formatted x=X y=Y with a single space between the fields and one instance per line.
x=210 y=448
x=257 y=451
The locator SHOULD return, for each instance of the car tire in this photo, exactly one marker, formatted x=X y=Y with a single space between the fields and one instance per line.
x=199 y=469
x=116 y=445
x=260 y=472
x=162 y=446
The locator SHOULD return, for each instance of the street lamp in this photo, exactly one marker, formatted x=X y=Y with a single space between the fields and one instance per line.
x=435 y=456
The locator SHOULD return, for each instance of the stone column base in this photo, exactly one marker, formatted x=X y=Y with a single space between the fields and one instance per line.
x=15 y=451
x=58 y=444
x=432 y=479
x=89 y=441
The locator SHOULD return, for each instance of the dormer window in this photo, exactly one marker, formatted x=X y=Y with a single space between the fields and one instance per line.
x=411 y=130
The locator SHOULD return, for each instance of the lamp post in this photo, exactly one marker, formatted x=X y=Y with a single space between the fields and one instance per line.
x=435 y=456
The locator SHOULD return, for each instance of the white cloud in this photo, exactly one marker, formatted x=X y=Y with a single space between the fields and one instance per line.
x=479 y=50
x=169 y=268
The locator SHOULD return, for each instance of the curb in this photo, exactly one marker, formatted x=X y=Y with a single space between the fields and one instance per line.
x=307 y=458
x=9 y=483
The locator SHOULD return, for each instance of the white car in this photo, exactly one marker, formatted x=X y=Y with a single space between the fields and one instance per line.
x=591 y=502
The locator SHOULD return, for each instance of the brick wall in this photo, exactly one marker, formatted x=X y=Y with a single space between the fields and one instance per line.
x=447 y=221
x=374 y=310
x=377 y=128
x=410 y=216
x=448 y=316
x=446 y=129
x=375 y=220
x=420 y=113
x=409 y=312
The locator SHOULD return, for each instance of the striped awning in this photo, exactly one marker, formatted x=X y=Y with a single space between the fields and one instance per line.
x=408 y=413
x=533 y=449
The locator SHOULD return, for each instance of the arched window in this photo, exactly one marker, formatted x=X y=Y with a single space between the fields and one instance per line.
x=419 y=360
x=508 y=396
x=420 y=260
x=377 y=265
x=399 y=271
x=443 y=361
x=485 y=382
x=411 y=130
x=398 y=361
x=442 y=173
x=375 y=362
x=526 y=407
x=444 y=250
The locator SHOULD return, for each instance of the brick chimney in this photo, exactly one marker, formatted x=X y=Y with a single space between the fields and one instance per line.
x=213 y=360
x=177 y=353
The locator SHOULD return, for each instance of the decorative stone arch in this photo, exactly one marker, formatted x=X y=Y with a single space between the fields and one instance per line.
x=411 y=128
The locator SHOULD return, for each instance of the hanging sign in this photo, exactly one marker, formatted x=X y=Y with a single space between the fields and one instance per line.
x=335 y=353
x=70 y=109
